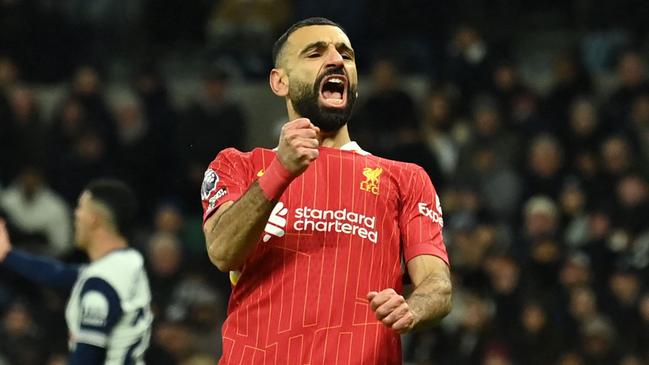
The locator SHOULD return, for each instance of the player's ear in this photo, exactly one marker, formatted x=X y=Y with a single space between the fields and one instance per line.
x=278 y=82
x=95 y=218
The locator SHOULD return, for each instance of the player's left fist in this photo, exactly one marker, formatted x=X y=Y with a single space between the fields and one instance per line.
x=392 y=309
x=5 y=244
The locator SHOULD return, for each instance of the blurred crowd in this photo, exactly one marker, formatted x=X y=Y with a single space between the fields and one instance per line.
x=138 y=138
x=546 y=209
x=545 y=193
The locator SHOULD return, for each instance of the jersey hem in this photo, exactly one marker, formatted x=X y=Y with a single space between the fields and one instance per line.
x=209 y=213
x=425 y=249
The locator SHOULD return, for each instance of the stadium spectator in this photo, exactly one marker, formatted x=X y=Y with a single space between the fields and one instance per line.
x=582 y=132
x=632 y=78
x=213 y=122
x=164 y=259
x=490 y=144
x=475 y=336
x=443 y=129
x=39 y=213
x=508 y=90
x=374 y=120
x=570 y=82
x=540 y=221
x=242 y=32
x=545 y=167
x=162 y=117
x=620 y=301
x=507 y=290
x=537 y=341
x=21 y=334
x=27 y=140
x=469 y=63
x=88 y=89
x=135 y=155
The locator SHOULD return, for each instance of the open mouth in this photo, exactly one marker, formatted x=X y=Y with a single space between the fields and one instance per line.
x=333 y=91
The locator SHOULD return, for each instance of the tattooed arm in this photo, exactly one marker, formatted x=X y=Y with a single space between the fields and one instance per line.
x=430 y=300
x=232 y=232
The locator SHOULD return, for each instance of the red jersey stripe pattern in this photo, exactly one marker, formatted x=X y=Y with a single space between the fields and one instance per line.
x=343 y=228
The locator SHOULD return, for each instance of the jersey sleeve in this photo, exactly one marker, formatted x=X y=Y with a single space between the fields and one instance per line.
x=99 y=311
x=225 y=180
x=42 y=270
x=420 y=218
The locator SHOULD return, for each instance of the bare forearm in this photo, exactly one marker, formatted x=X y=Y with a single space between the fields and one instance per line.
x=233 y=235
x=234 y=230
x=431 y=300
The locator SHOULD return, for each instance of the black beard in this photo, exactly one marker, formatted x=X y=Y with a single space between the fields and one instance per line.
x=305 y=100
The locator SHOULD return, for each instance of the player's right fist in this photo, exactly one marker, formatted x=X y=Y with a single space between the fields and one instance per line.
x=298 y=145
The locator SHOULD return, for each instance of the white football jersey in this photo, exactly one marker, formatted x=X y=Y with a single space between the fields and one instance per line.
x=109 y=307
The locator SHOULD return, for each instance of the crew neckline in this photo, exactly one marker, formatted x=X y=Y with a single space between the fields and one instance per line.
x=351 y=146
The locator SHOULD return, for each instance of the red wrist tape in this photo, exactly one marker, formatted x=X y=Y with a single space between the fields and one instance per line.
x=275 y=180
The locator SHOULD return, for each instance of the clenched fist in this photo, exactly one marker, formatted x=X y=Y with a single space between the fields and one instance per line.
x=298 y=145
x=392 y=309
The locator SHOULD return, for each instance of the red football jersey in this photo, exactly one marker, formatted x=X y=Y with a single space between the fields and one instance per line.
x=341 y=229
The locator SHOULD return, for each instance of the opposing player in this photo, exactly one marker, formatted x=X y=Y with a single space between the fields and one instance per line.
x=316 y=233
x=108 y=312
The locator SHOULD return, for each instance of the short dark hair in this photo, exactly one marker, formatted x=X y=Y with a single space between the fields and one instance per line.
x=119 y=199
x=279 y=44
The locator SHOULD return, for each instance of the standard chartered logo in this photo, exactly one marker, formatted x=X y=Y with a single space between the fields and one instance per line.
x=319 y=220
x=340 y=221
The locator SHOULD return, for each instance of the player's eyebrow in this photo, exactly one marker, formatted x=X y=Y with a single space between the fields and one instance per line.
x=312 y=46
x=340 y=47
x=343 y=48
